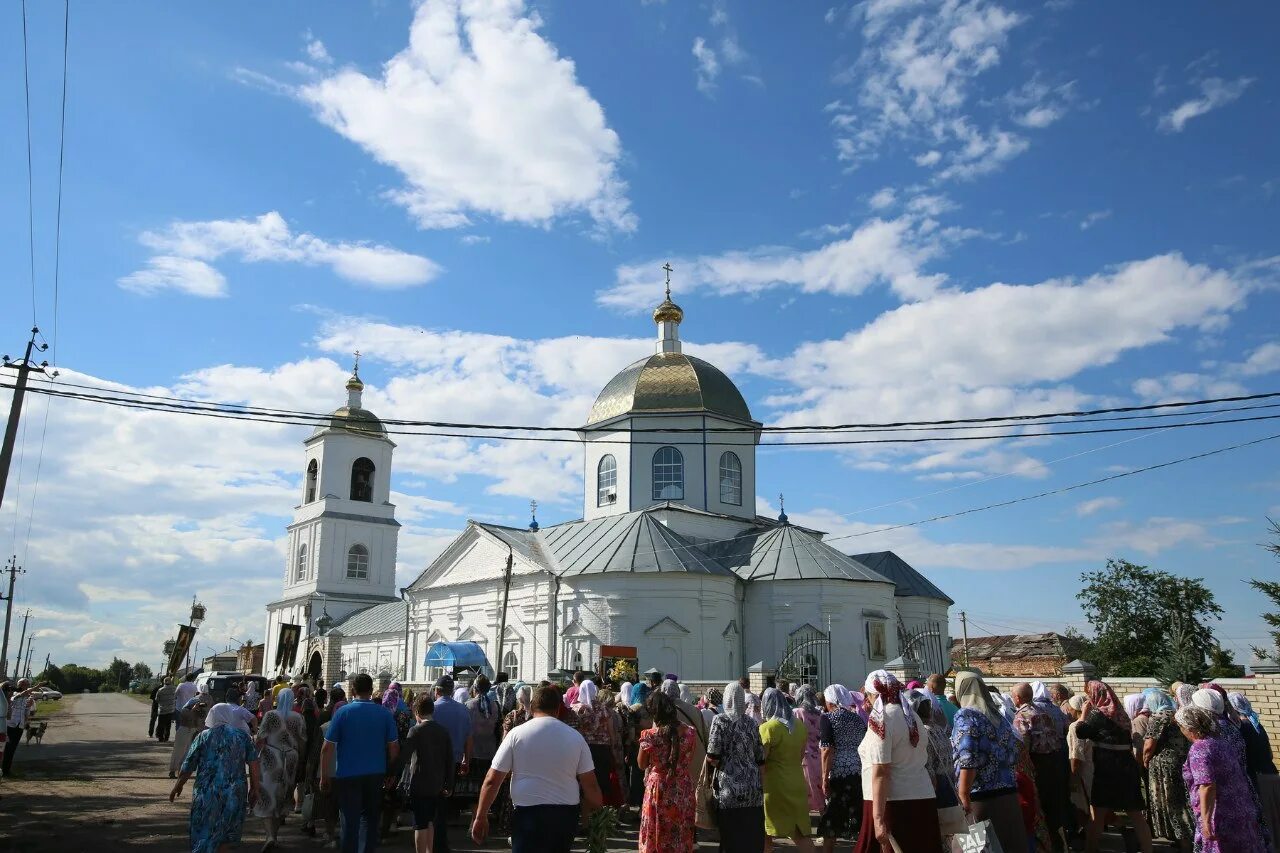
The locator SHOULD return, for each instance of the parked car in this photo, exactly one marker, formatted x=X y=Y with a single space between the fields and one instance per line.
x=219 y=682
x=45 y=693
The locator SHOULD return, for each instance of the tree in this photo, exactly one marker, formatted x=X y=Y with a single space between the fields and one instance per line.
x=1183 y=661
x=1132 y=609
x=140 y=672
x=54 y=676
x=117 y=673
x=1222 y=664
x=1271 y=589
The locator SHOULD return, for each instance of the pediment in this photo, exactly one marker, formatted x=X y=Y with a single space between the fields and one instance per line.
x=512 y=634
x=807 y=628
x=471 y=635
x=730 y=630
x=575 y=630
x=666 y=627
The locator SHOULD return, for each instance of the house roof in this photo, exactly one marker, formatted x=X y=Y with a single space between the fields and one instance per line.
x=909 y=581
x=386 y=618
x=1020 y=646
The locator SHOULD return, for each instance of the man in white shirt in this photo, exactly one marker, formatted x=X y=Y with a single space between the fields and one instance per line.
x=547 y=762
x=187 y=690
x=20 y=705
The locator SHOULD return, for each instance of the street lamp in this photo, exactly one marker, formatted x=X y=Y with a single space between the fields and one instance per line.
x=197 y=613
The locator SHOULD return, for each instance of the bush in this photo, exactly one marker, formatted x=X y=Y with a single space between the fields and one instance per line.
x=104 y=687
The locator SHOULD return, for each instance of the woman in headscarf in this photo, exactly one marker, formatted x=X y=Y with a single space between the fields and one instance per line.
x=712 y=704
x=1259 y=762
x=595 y=724
x=667 y=753
x=985 y=750
x=736 y=752
x=1135 y=705
x=190 y=723
x=940 y=759
x=484 y=737
x=281 y=740
x=840 y=735
x=690 y=716
x=217 y=757
x=1182 y=694
x=1117 y=785
x=252 y=698
x=1080 y=756
x=1164 y=751
x=810 y=714
x=899 y=798
x=1219 y=790
x=786 y=794
x=1213 y=698
x=859 y=705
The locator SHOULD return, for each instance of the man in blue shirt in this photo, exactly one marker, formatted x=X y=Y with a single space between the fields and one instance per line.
x=362 y=736
x=456 y=720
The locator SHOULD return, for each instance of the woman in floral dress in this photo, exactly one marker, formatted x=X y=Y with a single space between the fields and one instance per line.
x=281 y=740
x=1226 y=820
x=666 y=756
x=735 y=750
x=810 y=714
x=217 y=757
x=1164 y=752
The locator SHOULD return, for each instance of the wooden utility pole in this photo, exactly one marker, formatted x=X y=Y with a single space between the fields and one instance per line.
x=964 y=627
x=25 y=368
x=22 y=640
x=13 y=571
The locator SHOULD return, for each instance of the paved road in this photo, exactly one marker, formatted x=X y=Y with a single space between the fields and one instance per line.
x=98 y=783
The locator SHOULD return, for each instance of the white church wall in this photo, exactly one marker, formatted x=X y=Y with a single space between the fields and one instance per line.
x=776 y=609
x=373 y=654
x=616 y=443
x=337 y=451
x=701 y=528
x=647 y=444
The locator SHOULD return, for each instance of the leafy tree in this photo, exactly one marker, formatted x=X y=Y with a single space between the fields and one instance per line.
x=1222 y=664
x=140 y=672
x=1132 y=609
x=1183 y=661
x=1271 y=589
x=54 y=676
x=117 y=673
x=78 y=678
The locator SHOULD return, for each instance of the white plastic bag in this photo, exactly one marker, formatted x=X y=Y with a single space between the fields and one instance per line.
x=981 y=838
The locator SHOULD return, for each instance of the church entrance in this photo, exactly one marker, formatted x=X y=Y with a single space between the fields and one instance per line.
x=808 y=657
x=313 y=667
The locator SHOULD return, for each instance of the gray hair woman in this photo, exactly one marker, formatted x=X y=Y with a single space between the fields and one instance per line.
x=1221 y=797
x=735 y=751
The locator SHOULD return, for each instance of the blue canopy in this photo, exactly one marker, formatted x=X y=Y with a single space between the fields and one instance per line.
x=456 y=655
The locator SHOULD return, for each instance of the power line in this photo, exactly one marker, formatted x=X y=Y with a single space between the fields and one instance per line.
x=953 y=423
x=218 y=411
x=31 y=215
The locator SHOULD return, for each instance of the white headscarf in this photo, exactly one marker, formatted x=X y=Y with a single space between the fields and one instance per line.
x=735 y=700
x=587 y=694
x=524 y=696
x=223 y=714
x=284 y=703
x=624 y=693
x=461 y=695
x=1039 y=693
x=838 y=695
x=776 y=707
x=1210 y=700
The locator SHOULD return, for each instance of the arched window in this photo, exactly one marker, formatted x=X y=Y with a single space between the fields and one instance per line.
x=730 y=478
x=362 y=480
x=300 y=572
x=607 y=481
x=668 y=475
x=358 y=563
x=313 y=477
x=511 y=666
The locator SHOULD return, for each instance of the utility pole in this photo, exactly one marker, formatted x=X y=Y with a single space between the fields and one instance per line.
x=25 y=368
x=28 y=669
x=964 y=627
x=13 y=571
x=23 y=639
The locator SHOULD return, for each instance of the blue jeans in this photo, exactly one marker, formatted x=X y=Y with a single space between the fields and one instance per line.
x=543 y=829
x=359 y=808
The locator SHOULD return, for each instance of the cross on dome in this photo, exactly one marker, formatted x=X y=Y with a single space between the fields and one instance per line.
x=668 y=316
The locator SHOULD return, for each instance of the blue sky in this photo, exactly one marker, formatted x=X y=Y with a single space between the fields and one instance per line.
x=891 y=210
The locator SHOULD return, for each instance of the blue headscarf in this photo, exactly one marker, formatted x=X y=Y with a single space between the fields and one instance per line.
x=1242 y=705
x=1157 y=701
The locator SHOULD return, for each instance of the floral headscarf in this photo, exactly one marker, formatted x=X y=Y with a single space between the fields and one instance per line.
x=1103 y=698
x=671 y=688
x=735 y=700
x=1183 y=694
x=888 y=690
x=807 y=698
x=391 y=697
x=776 y=707
x=1245 y=709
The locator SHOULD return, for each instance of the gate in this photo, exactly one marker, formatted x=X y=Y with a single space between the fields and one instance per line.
x=807 y=659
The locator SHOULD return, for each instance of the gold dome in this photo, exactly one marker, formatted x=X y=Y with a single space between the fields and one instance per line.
x=354 y=383
x=668 y=312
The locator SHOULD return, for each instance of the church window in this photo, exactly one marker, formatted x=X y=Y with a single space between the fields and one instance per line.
x=575 y=662
x=300 y=573
x=358 y=562
x=607 y=481
x=511 y=666
x=668 y=475
x=362 y=480
x=313 y=476
x=730 y=478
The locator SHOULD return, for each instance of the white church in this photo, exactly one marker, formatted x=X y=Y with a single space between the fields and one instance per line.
x=669 y=557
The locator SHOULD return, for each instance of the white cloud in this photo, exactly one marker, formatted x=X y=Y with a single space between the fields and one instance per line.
x=187 y=275
x=914 y=79
x=184 y=251
x=1093 y=219
x=892 y=252
x=1264 y=359
x=1096 y=505
x=481 y=115
x=1224 y=380
x=885 y=197
x=316 y=50
x=708 y=66
x=1214 y=93
x=979 y=153
x=1037 y=104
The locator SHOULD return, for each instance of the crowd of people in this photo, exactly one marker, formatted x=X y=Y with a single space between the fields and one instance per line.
x=890 y=766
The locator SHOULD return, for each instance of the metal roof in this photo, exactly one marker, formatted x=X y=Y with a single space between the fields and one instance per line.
x=386 y=618
x=352 y=420
x=669 y=382
x=790 y=553
x=522 y=540
x=909 y=581
x=632 y=542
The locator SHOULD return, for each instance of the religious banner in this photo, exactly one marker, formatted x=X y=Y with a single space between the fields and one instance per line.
x=180 y=648
x=287 y=647
x=619 y=663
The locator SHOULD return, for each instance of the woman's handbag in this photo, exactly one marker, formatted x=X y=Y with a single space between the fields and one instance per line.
x=705 y=794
